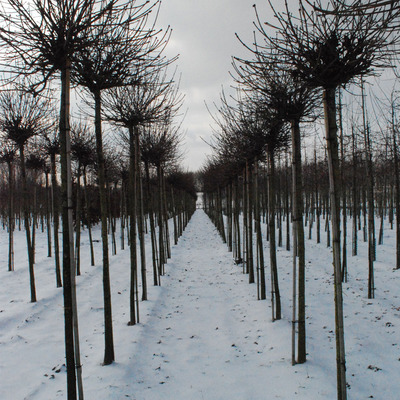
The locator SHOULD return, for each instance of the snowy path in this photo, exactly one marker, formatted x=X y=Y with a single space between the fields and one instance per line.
x=199 y=322
x=203 y=334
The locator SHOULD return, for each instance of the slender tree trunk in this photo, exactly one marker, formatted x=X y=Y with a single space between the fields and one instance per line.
x=250 y=257
x=111 y=217
x=10 y=217
x=276 y=314
x=160 y=221
x=370 y=202
x=220 y=215
x=245 y=225
x=108 y=328
x=334 y=182
x=236 y=225
x=34 y=221
x=68 y=260
x=78 y=223
x=27 y=225
x=397 y=186
x=299 y=242
x=139 y=191
x=355 y=197
x=342 y=182
x=174 y=217
x=123 y=215
x=154 y=250
x=134 y=305
x=48 y=219
x=287 y=196
x=229 y=215
x=165 y=216
x=260 y=249
x=56 y=219
x=88 y=218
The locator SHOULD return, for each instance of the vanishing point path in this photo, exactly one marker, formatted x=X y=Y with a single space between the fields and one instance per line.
x=205 y=337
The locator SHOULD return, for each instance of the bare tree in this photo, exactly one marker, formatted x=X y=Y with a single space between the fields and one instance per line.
x=23 y=116
x=155 y=98
x=7 y=155
x=327 y=51
x=43 y=37
x=293 y=102
x=113 y=62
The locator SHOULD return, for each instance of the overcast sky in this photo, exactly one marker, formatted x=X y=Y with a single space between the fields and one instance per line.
x=204 y=37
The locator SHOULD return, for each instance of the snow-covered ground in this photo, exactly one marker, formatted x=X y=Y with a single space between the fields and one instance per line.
x=203 y=334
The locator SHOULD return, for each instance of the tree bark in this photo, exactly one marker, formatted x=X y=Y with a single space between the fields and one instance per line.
x=88 y=218
x=10 y=217
x=250 y=258
x=78 y=223
x=397 y=191
x=334 y=189
x=133 y=303
x=27 y=225
x=154 y=250
x=56 y=219
x=140 y=211
x=276 y=314
x=108 y=329
x=260 y=249
x=298 y=242
x=48 y=218
x=66 y=214
x=342 y=182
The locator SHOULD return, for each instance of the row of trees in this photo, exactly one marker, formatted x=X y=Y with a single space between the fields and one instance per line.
x=112 y=52
x=299 y=65
x=42 y=191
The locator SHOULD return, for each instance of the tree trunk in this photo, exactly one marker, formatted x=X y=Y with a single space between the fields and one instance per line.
x=287 y=195
x=56 y=219
x=250 y=259
x=78 y=223
x=154 y=250
x=236 y=225
x=334 y=182
x=245 y=225
x=370 y=201
x=10 y=217
x=260 y=249
x=160 y=221
x=133 y=303
x=165 y=216
x=174 y=217
x=140 y=218
x=88 y=218
x=48 y=219
x=397 y=188
x=66 y=214
x=108 y=329
x=276 y=314
x=27 y=224
x=342 y=182
x=34 y=221
x=298 y=242
x=229 y=215
x=354 y=196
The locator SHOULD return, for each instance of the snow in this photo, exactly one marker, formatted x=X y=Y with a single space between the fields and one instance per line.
x=203 y=334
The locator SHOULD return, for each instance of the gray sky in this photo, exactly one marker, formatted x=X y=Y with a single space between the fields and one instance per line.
x=204 y=37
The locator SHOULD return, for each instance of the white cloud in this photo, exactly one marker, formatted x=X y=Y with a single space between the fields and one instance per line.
x=204 y=37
